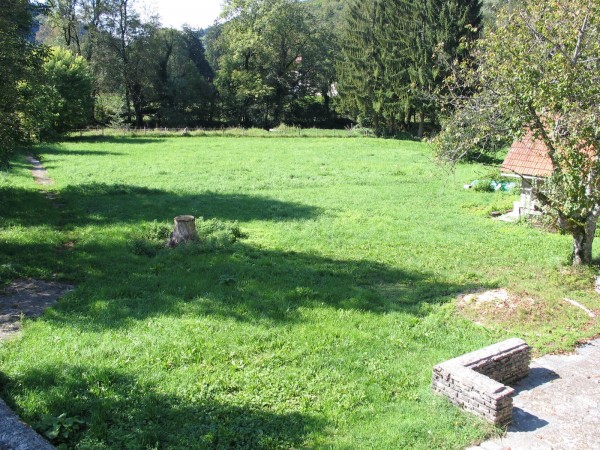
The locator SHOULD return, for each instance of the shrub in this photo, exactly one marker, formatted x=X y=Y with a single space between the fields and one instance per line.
x=70 y=81
x=483 y=186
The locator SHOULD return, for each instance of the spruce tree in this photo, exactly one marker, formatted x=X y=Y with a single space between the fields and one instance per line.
x=432 y=33
x=361 y=68
x=394 y=57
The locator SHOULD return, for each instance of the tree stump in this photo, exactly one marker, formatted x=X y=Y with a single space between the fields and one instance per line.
x=184 y=231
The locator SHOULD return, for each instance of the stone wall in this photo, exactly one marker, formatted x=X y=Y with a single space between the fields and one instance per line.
x=475 y=381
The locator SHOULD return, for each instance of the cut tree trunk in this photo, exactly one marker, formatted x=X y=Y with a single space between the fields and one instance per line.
x=184 y=231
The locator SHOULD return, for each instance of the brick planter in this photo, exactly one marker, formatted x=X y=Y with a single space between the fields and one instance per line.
x=476 y=381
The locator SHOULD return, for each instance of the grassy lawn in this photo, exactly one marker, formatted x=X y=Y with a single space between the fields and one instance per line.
x=309 y=314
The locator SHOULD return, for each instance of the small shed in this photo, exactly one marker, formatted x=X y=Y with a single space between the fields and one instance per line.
x=528 y=160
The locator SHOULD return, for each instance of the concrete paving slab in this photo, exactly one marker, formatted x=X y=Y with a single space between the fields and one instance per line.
x=16 y=435
x=557 y=407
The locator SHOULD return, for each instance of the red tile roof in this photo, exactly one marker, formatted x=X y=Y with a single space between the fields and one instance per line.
x=528 y=157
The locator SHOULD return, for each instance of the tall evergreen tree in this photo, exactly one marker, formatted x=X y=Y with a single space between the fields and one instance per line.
x=361 y=69
x=433 y=33
x=391 y=60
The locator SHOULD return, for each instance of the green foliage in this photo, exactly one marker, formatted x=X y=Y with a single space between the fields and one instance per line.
x=213 y=235
x=269 y=53
x=395 y=56
x=362 y=85
x=108 y=109
x=536 y=72
x=271 y=61
x=142 y=74
x=60 y=430
x=150 y=239
x=20 y=59
x=491 y=8
x=180 y=86
x=483 y=186
x=69 y=82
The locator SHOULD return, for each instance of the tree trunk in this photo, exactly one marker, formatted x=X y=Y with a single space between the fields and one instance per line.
x=376 y=128
x=391 y=124
x=278 y=111
x=184 y=231
x=139 y=114
x=128 y=105
x=583 y=238
x=326 y=101
x=421 y=123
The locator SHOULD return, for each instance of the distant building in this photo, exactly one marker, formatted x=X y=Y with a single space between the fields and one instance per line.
x=528 y=160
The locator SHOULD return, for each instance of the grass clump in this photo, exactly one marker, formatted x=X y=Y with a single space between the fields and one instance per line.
x=212 y=235
x=150 y=239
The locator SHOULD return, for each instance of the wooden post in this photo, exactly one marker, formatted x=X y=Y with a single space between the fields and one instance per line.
x=184 y=230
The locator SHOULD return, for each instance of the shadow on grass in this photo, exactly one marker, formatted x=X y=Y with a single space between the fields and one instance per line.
x=108 y=140
x=120 y=411
x=25 y=207
x=41 y=152
x=240 y=282
x=102 y=203
x=243 y=283
x=99 y=203
x=57 y=150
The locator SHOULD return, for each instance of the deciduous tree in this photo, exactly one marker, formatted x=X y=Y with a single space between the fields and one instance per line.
x=267 y=54
x=20 y=59
x=70 y=84
x=538 y=69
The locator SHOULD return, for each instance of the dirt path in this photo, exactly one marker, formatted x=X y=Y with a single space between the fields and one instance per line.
x=29 y=298
x=26 y=298
x=40 y=174
x=557 y=407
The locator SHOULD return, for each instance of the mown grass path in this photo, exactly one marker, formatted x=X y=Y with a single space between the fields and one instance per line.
x=317 y=328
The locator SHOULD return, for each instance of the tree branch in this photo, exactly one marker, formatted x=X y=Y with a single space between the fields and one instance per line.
x=580 y=37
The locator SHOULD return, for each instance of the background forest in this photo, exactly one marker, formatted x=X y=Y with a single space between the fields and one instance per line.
x=315 y=63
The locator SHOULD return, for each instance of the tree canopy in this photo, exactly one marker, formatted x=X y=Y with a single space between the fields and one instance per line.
x=268 y=54
x=538 y=70
x=70 y=90
x=390 y=67
x=20 y=60
x=378 y=63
